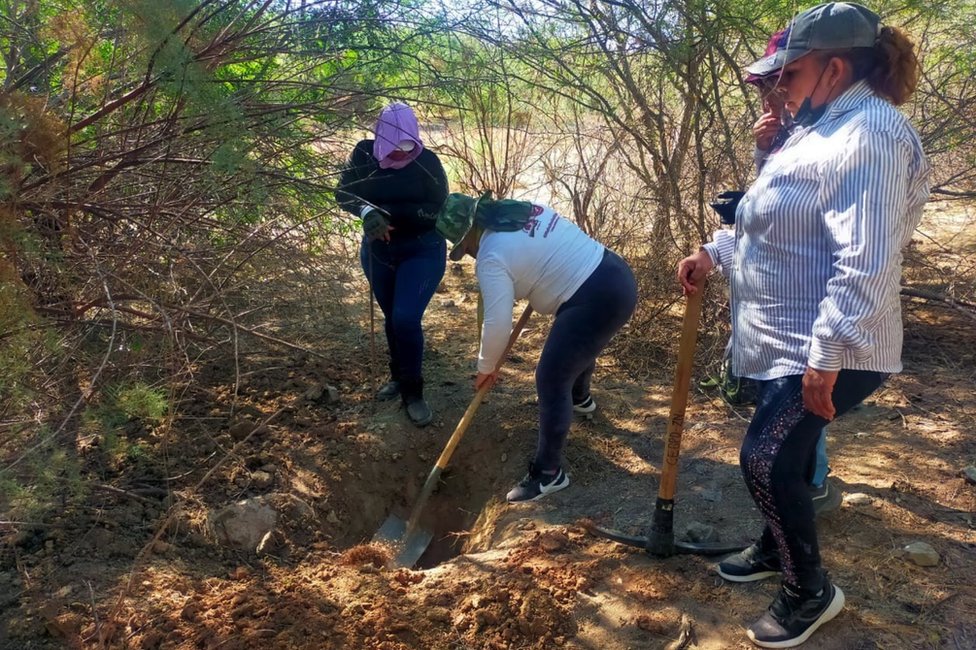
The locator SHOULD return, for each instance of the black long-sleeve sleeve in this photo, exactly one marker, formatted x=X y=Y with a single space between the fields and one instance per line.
x=411 y=196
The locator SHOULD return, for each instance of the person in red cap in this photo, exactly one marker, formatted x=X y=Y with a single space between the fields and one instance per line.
x=814 y=265
x=398 y=186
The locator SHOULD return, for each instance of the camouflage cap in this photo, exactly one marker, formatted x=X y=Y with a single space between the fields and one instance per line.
x=455 y=219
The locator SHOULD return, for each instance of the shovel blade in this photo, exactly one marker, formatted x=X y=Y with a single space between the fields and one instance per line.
x=413 y=547
x=408 y=546
x=391 y=532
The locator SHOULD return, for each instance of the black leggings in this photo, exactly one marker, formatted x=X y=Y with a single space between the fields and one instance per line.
x=776 y=458
x=583 y=326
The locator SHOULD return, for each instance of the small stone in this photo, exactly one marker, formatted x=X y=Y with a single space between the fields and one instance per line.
x=323 y=393
x=191 y=611
x=240 y=430
x=713 y=495
x=243 y=524
x=447 y=303
x=553 y=541
x=314 y=393
x=504 y=457
x=332 y=517
x=331 y=394
x=239 y=573
x=969 y=474
x=922 y=554
x=160 y=547
x=700 y=533
x=261 y=479
x=858 y=499
x=439 y=614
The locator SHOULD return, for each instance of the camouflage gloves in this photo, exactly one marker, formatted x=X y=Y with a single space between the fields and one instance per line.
x=375 y=224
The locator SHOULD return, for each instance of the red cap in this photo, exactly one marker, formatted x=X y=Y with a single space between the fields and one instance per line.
x=776 y=42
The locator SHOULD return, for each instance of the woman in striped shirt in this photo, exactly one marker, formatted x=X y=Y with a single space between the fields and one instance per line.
x=814 y=266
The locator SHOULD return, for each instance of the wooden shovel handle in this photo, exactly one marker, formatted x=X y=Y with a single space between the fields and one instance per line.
x=435 y=472
x=679 y=393
x=480 y=395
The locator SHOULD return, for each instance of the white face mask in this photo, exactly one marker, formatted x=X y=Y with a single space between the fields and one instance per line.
x=406 y=146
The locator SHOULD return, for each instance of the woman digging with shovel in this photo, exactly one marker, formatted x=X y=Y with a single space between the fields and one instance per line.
x=526 y=250
x=814 y=265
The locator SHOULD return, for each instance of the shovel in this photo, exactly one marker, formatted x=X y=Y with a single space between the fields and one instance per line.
x=410 y=540
x=660 y=541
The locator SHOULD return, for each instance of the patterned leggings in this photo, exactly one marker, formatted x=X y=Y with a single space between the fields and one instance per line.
x=777 y=462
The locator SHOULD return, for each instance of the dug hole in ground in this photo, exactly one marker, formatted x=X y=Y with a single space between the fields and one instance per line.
x=331 y=465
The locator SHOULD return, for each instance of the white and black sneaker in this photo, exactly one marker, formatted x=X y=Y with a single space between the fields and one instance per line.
x=793 y=617
x=585 y=407
x=537 y=484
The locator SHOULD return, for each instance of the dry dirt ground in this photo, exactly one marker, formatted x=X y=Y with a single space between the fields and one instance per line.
x=135 y=568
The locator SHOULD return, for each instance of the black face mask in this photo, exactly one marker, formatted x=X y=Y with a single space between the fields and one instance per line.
x=807 y=115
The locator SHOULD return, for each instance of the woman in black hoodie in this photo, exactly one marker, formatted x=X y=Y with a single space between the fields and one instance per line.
x=397 y=186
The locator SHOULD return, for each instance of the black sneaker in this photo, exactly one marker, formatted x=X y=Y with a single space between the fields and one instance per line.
x=749 y=565
x=826 y=498
x=389 y=390
x=585 y=407
x=537 y=484
x=792 y=618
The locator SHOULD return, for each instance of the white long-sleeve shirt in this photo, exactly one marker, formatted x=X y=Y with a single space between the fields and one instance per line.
x=814 y=262
x=545 y=262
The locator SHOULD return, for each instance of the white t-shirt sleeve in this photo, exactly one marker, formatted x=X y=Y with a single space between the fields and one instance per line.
x=498 y=293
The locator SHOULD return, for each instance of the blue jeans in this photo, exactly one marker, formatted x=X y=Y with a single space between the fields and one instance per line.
x=776 y=460
x=583 y=326
x=821 y=468
x=404 y=273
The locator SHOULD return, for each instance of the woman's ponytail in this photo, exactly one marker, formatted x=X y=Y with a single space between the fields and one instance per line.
x=895 y=70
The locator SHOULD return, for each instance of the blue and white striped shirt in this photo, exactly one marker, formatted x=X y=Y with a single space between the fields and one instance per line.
x=814 y=262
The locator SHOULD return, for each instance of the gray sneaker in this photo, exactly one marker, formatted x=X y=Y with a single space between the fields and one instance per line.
x=749 y=565
x=826 y=498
